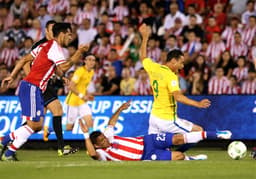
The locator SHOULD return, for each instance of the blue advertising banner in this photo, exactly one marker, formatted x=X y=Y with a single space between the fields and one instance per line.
x=236 y=113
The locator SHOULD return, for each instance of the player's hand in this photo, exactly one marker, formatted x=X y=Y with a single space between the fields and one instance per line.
x=6 y=82
x=84 y=47
x=125 y=106
x=66 y=81
x=83 y=126
x=88 y=97
x=205 y=103
x=145 y=30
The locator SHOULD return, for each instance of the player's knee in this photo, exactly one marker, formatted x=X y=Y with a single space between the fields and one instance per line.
x=197 y=128
x=178 y=139
x=178 y=155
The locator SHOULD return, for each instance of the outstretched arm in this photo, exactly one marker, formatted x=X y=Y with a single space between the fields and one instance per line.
x=145 y=32
x=27 y=58
x=115 y=116
x=179 y=97
x=75 y=58
x=88 y=144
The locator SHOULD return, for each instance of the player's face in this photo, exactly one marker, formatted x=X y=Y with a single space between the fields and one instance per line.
x=67 y=38
x=90 y=61
x=180 y=62
x=102 y=141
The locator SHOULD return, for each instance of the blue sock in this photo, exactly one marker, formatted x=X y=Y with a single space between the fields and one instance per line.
x=6 y=139
x=211 y=135
x=185 y=147
x=9 y=153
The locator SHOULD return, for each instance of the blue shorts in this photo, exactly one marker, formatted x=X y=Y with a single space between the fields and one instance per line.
x=31 y=101
x=157 y=146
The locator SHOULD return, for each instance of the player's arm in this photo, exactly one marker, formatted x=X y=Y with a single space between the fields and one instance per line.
x=75 y=58
x=114 y=118
x=88 y=144
x=179 y=97
x=145 y=32
x=25 y=59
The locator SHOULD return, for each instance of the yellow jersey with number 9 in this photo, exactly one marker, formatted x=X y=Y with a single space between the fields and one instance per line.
x=163 y=82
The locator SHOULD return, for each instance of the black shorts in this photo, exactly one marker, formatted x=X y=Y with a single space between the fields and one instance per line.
x=49 y=95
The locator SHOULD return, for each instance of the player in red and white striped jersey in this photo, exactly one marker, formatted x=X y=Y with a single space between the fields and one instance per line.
x=108 y=147
x=238 y=48
x=218 y=84
x=249 y=85
x=249 y=32
x=241 y=71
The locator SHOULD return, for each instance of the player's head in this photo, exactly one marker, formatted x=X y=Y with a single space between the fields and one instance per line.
x=175 y=59
x=62 y=32
x=90 y=61
x=99 y=140
x=48 y=29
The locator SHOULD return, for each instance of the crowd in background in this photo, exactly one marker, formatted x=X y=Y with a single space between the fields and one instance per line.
x=218 y=38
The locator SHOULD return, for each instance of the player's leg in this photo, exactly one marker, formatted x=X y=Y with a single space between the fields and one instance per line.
x=56 y=109
x=72 y=114
x=32 y=110
x=86 y=112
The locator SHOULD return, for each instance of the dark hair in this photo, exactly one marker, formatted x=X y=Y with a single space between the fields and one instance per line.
x=60 y=27
x=94 y=135
x=49 y=23
x=85 y=55
x=172 y=36
x=174 y=54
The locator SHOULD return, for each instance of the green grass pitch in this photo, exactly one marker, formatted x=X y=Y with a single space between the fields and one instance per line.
x=44 y=164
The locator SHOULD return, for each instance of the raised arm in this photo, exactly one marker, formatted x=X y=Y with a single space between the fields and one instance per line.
x=73 y=89
x=75 y=58
x=115 y=116
x=145 y=32
x=179 y=97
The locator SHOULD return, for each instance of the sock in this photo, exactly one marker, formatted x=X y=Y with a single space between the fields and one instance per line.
x=211 y=135
x=8 y=138
x=57 y=127
x=194 y=137
x=21 y=135
x=185 y=147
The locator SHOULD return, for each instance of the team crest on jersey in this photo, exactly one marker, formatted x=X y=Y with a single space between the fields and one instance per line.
x=38 y=113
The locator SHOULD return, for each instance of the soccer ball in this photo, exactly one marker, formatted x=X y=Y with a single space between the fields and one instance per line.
x=237 y=150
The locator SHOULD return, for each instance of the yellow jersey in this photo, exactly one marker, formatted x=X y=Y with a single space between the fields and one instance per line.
x=163 y=82
x=81 y=78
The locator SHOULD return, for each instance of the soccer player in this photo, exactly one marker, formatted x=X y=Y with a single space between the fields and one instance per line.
x=165 y=84
x=77 y=97
x=107 y=146
x=48 y=57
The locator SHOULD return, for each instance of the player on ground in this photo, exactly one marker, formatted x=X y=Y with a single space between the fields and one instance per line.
x=48 y=57
x=165 y=84
x=51 y=101
x=77 y=97
x=107 y=146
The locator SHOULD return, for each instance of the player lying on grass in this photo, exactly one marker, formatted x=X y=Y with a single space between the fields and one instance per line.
x=107 y=146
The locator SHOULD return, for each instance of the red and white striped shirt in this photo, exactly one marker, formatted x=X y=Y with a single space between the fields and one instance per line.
x=142 y=87
x=237 y=50
x=252 y=54
x=248 y=35
x=101 y=51
x=233 y=90
x=191 y=47
x=60 y=6
x=120 y=12
x=214 y=50
x=229 y=35
x=154 y=54
x=81 y=15
x=218 y=86
x=240 y=73
x=249 y=87
x=122 y=148
x=9 y=56
x=46 y=57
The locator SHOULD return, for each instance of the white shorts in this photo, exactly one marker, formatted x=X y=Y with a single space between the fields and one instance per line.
x=158 y=125
x=74 y=112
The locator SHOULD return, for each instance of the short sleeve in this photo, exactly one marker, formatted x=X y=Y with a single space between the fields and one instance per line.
x=102 y=154
x=173 y=83
x=56 y=54
x=76 y=77
x=148 y=64
x=35 y=51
